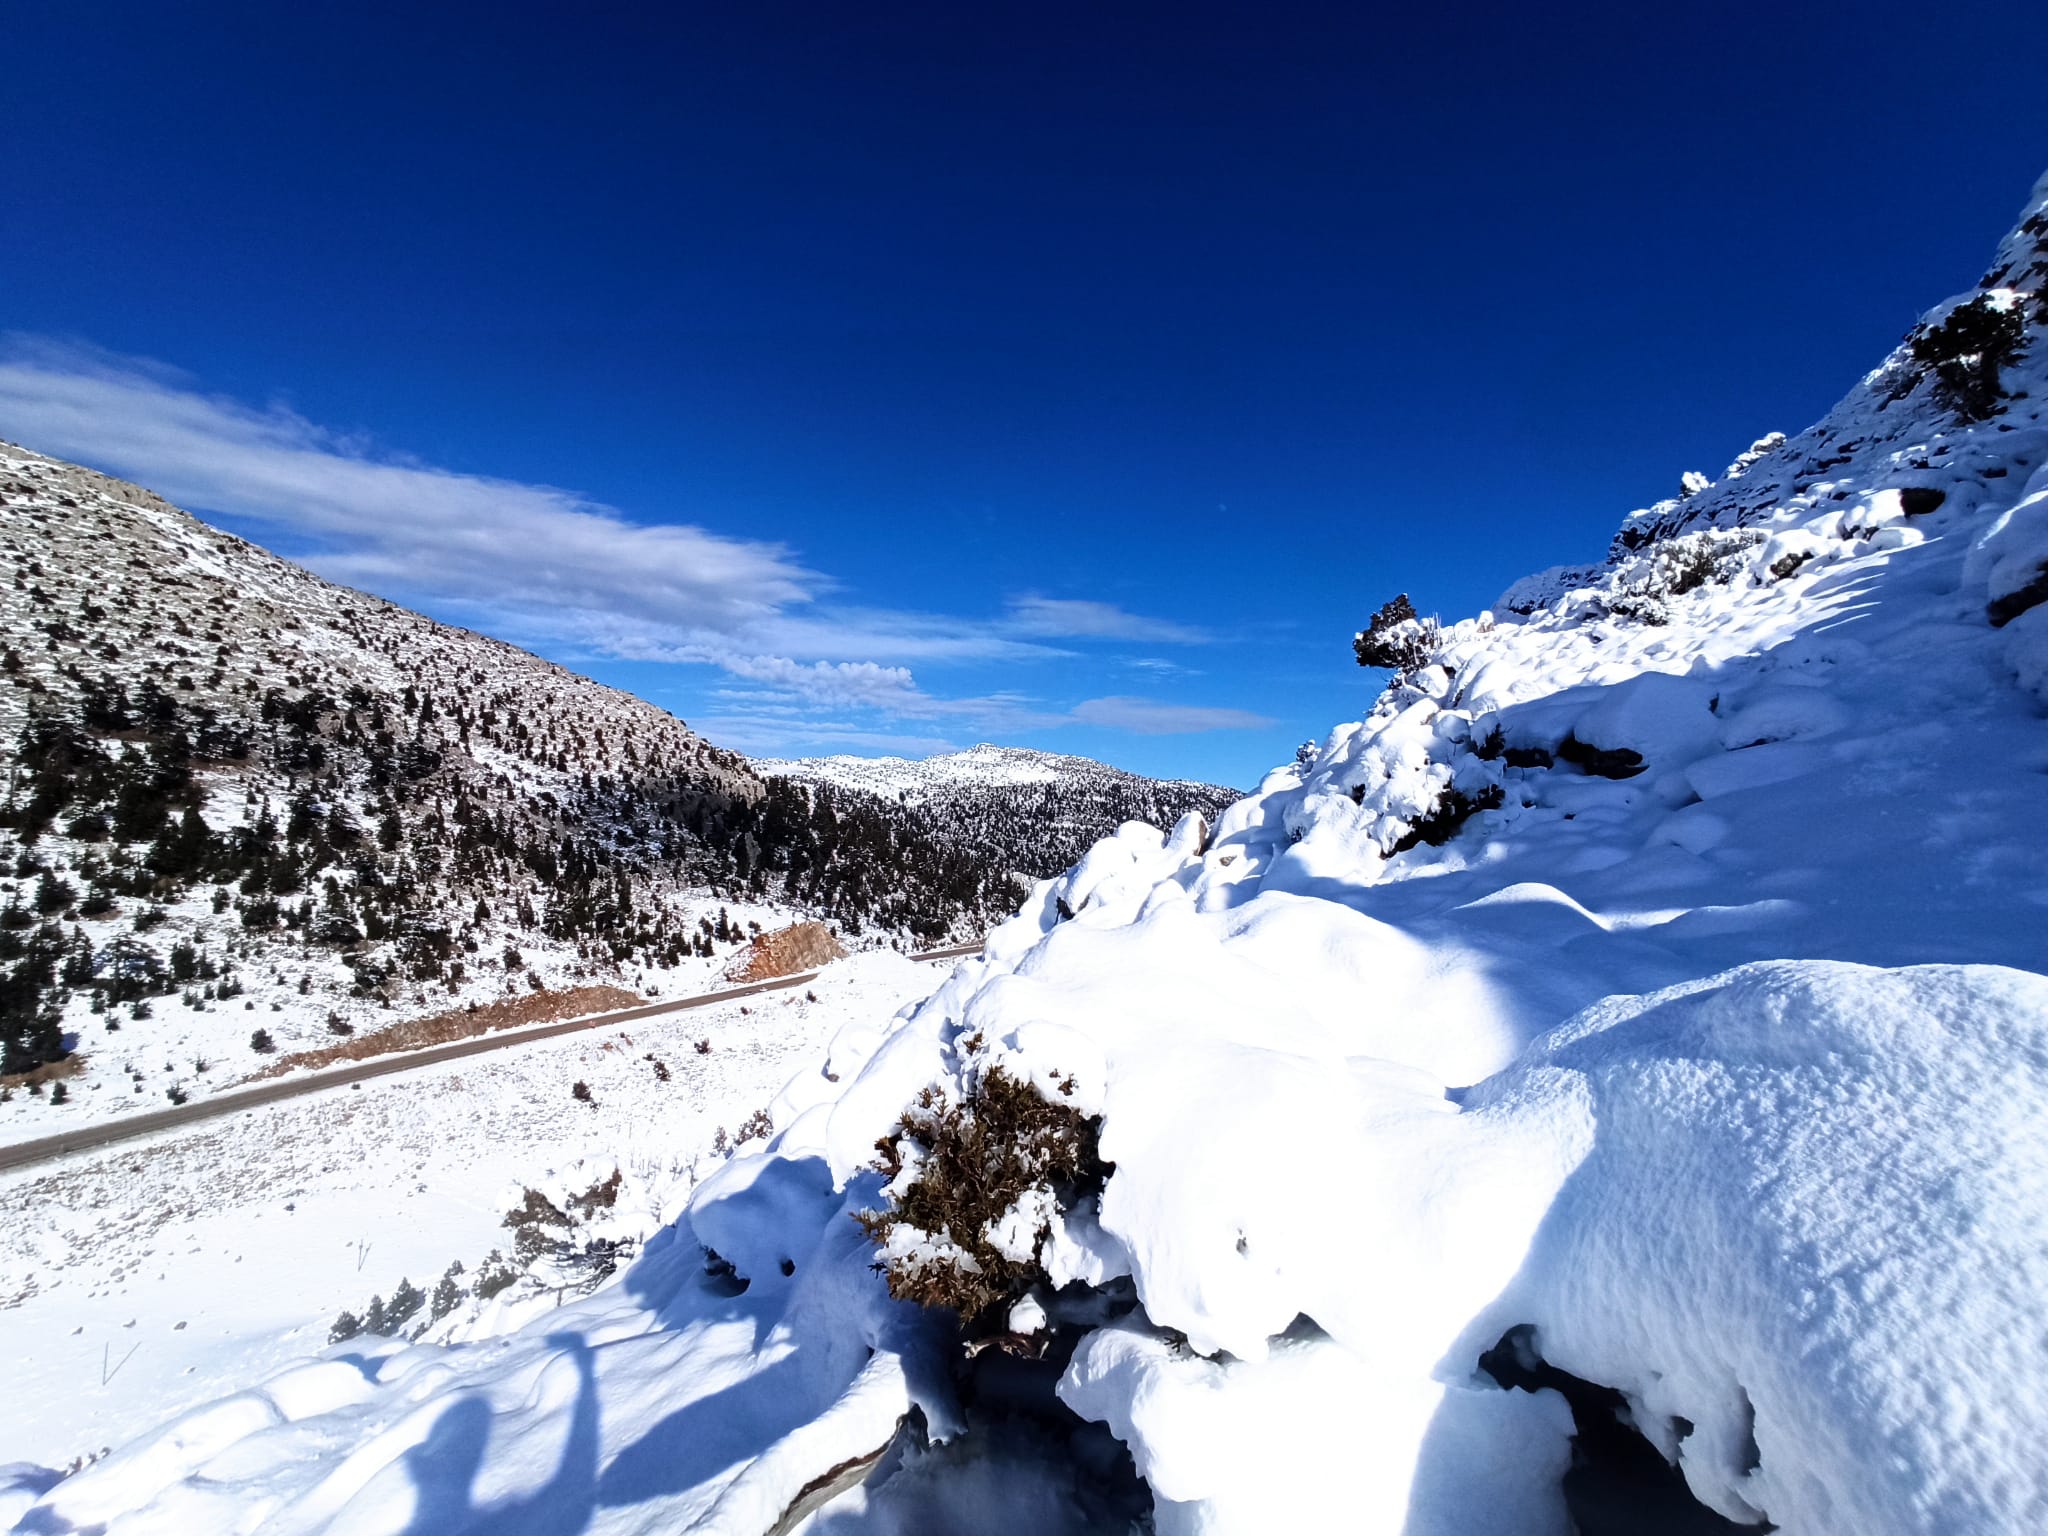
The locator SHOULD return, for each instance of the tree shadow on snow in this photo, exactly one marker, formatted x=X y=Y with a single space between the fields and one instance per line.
x=706 y=1437
x=695 y=1444
x=444 y=1466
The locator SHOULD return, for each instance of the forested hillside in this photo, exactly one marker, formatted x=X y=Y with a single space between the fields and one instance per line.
x=227 y=774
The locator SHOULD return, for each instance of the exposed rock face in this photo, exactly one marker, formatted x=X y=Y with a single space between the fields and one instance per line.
x=799 y=947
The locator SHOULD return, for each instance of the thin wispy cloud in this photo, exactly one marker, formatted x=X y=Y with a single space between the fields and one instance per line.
x=1149 y=717
x=551 y=568
x=384 y=523
x=827 y=634
x=1081 y=619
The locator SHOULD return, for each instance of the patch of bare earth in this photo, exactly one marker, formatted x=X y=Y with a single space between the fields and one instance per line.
x=48 y=1072
x=799 y=947
x=461 y=1024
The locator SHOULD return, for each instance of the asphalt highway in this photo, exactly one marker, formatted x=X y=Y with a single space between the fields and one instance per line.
x=127 y=1127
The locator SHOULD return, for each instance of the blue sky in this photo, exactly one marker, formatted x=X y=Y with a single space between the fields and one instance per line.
x=888 y=378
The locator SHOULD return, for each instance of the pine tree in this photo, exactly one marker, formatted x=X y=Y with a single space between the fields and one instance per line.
x=447 y=1295
x=405 y=1302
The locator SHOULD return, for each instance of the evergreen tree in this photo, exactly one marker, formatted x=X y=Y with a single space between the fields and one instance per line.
x=404 y=1303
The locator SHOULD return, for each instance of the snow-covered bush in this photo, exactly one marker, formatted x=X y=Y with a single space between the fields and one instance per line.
x=1642 y=589
x=1753 y=455
x=1397 y=639
x=973 y=1186
x=1967 y=351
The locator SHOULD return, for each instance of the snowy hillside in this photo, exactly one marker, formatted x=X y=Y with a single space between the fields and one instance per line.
x=986 y=766
x=1604 y=1090
x=249 y=813
x=1029 y=811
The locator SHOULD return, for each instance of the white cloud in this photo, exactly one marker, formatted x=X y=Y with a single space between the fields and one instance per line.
x=384 y=523
x=1080 y=619
x=836 y=634
x=549 y=568
x=1148 y=717
x=890 y=691
x=533 y=563
x=847 y=684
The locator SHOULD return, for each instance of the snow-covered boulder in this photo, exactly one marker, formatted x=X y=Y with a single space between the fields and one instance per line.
x=1808 y=1218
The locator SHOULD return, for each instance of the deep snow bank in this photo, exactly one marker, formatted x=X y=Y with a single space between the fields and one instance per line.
x=1798 y=1206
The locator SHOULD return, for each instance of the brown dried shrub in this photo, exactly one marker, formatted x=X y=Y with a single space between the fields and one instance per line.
x=980 y=1156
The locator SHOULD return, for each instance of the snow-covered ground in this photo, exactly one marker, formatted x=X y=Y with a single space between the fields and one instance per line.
x=190 y=1048
x=185 y=1265
x=1634 y=1030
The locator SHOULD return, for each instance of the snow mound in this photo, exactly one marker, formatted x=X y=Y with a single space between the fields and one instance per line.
x=1839 y=1290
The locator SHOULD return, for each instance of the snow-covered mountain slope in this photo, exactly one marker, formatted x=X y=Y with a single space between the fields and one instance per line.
x=986 y=766
x=247 y=809
x=1606 y=1089
x=1030 y=811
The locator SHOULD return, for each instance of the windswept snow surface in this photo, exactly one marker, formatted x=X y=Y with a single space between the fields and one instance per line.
x=1660 y=974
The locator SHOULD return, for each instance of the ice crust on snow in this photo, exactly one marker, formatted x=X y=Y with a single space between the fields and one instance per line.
x=1711 y=1050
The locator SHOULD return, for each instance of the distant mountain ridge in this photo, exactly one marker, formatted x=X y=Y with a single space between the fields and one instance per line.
x=986 y=764
x=1035 y=812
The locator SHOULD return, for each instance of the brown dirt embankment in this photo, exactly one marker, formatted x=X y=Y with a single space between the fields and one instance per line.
x=460 y=1024
x=799 y=947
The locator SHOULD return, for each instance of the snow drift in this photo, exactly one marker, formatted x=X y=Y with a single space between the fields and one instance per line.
x=1646 y=993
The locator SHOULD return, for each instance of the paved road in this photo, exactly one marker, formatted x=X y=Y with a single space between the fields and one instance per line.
x=127 y=1127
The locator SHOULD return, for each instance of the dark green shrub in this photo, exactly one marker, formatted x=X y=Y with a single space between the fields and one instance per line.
x=404 y=1304
x=1452 y=810
x=447 y=1295
x=1965 y=353
x=493 y=1275
x=1396 y=639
